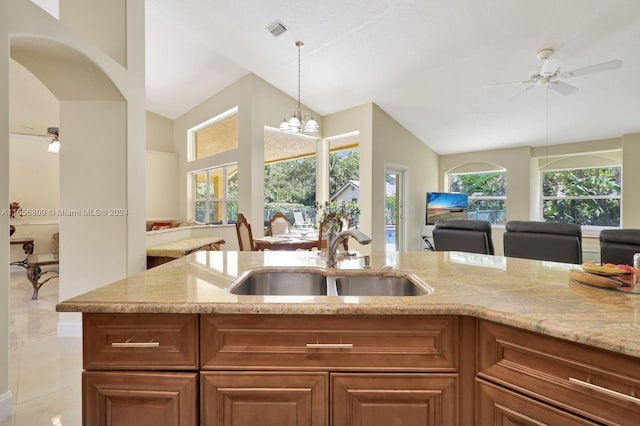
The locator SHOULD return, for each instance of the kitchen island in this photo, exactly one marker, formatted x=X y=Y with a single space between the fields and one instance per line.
x=495 y=332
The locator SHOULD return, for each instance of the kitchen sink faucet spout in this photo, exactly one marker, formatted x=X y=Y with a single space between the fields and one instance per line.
x=332 y=249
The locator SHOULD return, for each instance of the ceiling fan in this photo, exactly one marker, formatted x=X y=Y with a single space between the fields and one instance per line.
x=549 y=74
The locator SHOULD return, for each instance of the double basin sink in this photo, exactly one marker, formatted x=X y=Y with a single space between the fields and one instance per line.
x=344 y=283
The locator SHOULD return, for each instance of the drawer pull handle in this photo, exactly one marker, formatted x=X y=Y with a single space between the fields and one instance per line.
x=135 y=344
x=604 y=390
x=329 y=345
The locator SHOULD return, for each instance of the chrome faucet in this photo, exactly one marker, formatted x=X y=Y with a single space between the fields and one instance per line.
x=332 y=248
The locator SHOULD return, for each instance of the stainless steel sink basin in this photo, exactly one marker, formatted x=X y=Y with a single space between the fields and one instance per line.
x=359 y=285
x=281 y=284
x=294 y=283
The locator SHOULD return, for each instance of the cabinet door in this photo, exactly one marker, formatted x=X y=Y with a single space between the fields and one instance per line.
x=262 y=398
x=498 y=406
x=394 y=399
x=120 y=398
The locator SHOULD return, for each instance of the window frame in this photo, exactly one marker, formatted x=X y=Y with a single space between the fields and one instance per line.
x=209 y=199
x=619 y=197
x=191 y=134
x=473 y=197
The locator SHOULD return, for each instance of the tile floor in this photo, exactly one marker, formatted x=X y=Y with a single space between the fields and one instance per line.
x=44 y=369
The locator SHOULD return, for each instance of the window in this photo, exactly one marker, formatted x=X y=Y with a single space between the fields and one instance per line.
x=214 y=136
x=487 y=193
x=289 y=174
x=344 y=171
x=587 y=196
x=216 y=195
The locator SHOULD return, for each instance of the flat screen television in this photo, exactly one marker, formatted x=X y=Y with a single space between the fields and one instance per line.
x=446 y=206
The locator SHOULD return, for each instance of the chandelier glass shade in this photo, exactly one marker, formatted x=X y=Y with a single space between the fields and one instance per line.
x=299 y=122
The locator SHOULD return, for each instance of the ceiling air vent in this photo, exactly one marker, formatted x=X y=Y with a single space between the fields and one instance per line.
x=277 y=29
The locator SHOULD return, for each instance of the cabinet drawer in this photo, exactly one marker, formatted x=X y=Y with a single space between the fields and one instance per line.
x=499 y=406
x=597 y=384
x=140 y=341
x=407 y=343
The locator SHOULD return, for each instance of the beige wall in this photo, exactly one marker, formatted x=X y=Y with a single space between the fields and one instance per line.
x=358 y=119
x=159 y=133
x=394 y=146
x=162 y=182
x=631 y=180
x=102 y=23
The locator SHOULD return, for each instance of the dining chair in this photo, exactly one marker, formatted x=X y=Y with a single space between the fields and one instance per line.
x=619 y=245
x=552 y=241
x=471 y=236
x=279 y=224
x=245 y=236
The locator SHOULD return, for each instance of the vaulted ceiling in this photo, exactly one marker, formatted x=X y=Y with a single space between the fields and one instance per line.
x=425 y=62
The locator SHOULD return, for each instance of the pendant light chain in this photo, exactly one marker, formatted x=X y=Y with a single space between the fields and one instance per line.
x=299 y=44
x=547 y=153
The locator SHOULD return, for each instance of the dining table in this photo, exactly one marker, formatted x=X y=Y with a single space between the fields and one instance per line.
x=294 y=240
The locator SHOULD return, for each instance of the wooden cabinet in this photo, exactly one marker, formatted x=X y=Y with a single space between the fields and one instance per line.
x=306 y=342
x=118 y=398
x=140 y=342
x=264 y=398
x=163 y=351
x=373 y=370
x=314 y=370
x=368 y=399
x=597 y=385
x=498 y=406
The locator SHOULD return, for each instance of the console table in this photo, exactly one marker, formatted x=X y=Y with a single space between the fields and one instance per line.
x=27 y=244
x=33 y=263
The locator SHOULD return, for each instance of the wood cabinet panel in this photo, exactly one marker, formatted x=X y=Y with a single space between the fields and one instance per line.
x=380 y=343
x=498 y=406
x=263 y=398
x=140 y=341
x=139 y=399
x=394 y=399
x=547 y=368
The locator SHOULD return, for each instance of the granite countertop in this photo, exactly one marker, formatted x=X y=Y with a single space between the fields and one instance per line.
x=531 y=295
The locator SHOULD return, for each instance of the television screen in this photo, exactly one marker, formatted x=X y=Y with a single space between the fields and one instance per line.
x=446 y=206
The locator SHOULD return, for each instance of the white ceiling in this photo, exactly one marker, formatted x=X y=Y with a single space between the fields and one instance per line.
x=424 y=62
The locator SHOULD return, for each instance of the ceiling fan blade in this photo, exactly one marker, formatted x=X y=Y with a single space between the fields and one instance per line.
x=522 y=92
x=562 y=87
x=550 y=67
x=605 y=66
x=508 y=83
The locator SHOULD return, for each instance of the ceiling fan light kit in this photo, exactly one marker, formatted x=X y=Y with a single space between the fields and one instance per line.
x=54 y=145
x=549 y=75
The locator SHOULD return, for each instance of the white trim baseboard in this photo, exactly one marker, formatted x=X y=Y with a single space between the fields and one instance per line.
x=69 y=328
x=6 y=405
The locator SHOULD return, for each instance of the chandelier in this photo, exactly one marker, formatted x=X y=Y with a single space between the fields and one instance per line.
x=299 y=121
